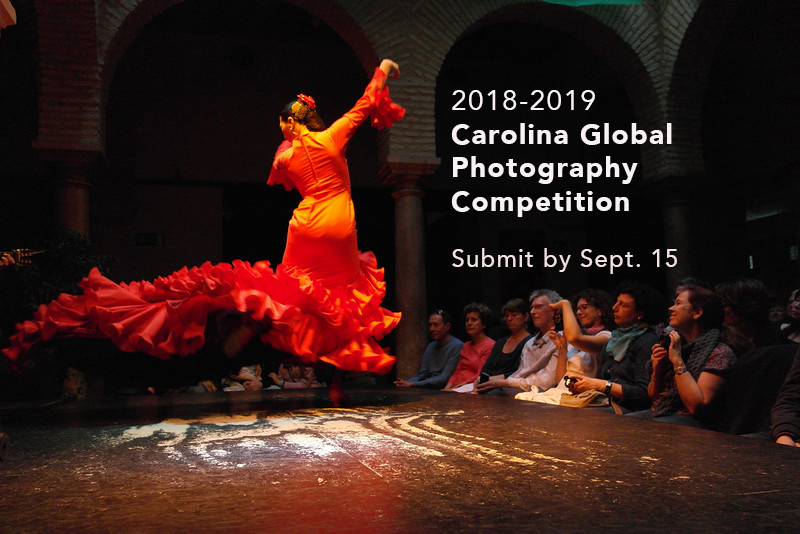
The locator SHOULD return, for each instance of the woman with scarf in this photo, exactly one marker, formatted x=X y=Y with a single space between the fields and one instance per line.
x=623 y=377
x=687 y=376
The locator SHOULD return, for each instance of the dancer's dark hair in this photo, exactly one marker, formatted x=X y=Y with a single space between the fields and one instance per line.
x=304 y=114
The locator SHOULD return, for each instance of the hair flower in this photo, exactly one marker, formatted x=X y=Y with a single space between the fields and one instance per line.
x=307 y=100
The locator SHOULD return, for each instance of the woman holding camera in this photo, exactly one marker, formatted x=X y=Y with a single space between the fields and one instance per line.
x=688 y=372
x=623 y=377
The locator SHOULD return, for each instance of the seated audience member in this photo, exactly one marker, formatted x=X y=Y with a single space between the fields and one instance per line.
x=475 y=352
x=537 y=367
x=441 y=355
x=294 y=375
x=777 y=311
x=785 y=426
x=688 y=374
x=623 y=376
x=746 y=304
x=791 y=327
x=247 y=379
x=586 y=331
x=507 y=351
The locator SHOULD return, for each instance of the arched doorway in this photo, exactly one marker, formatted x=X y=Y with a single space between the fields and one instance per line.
x=192 y=127
x=525 y=56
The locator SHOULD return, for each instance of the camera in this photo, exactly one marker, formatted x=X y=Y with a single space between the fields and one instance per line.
x=558 y=321
x=663 y=336
x=570 y=381
x=664 y=340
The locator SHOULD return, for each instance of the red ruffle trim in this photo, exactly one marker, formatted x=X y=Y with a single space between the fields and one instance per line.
x=384 y=111
x=339 y=325
x=168 y=315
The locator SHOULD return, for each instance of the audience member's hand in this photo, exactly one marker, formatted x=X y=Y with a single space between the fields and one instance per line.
x=275 y=378
x=585 y=383
x=253 y=385
x=558 y=339
x=209 y=385
x=658 y=356
x=787 y=440
x=244 y=374
x=494 y=382
x=675 y=348
x=403 y=383
x=6 y=260
x=475 y=385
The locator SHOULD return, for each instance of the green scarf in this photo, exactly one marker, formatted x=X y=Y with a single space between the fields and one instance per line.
x=617 y=346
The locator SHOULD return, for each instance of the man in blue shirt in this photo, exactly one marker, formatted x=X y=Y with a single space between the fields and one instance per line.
x=441 y=355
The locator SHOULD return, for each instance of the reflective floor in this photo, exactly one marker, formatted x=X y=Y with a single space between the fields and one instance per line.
x=392 y=461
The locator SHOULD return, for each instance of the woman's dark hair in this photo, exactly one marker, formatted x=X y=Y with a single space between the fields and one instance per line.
x=515 y=306
x=710 y=303
x=481 y=309
x=748 y=297
x=300 y=112
x=692 y=281
x=648 y=301
x=600 y=300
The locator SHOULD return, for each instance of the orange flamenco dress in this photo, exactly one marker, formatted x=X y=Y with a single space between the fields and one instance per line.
x=323 y=302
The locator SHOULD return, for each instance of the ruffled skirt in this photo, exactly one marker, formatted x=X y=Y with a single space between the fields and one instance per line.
x=339 y=325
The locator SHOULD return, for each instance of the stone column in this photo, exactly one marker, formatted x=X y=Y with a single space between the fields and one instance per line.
x=73 y=170
x=410 y=289
x=676 y=212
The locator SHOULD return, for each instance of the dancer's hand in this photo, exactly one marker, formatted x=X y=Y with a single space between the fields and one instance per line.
x=390 y=69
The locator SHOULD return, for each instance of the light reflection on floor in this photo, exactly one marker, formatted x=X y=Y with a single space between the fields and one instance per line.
x=390 y=464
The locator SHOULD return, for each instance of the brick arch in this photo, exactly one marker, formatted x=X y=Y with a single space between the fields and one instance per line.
x=690 y=78
x=120 y=21
x=630 y=49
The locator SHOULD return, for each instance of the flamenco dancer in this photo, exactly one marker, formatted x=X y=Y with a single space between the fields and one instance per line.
x=322 y=303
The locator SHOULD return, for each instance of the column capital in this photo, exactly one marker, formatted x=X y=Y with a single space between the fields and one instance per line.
x=78 y=166
x=73 y=172
x=402 y=174
x=69 y=158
